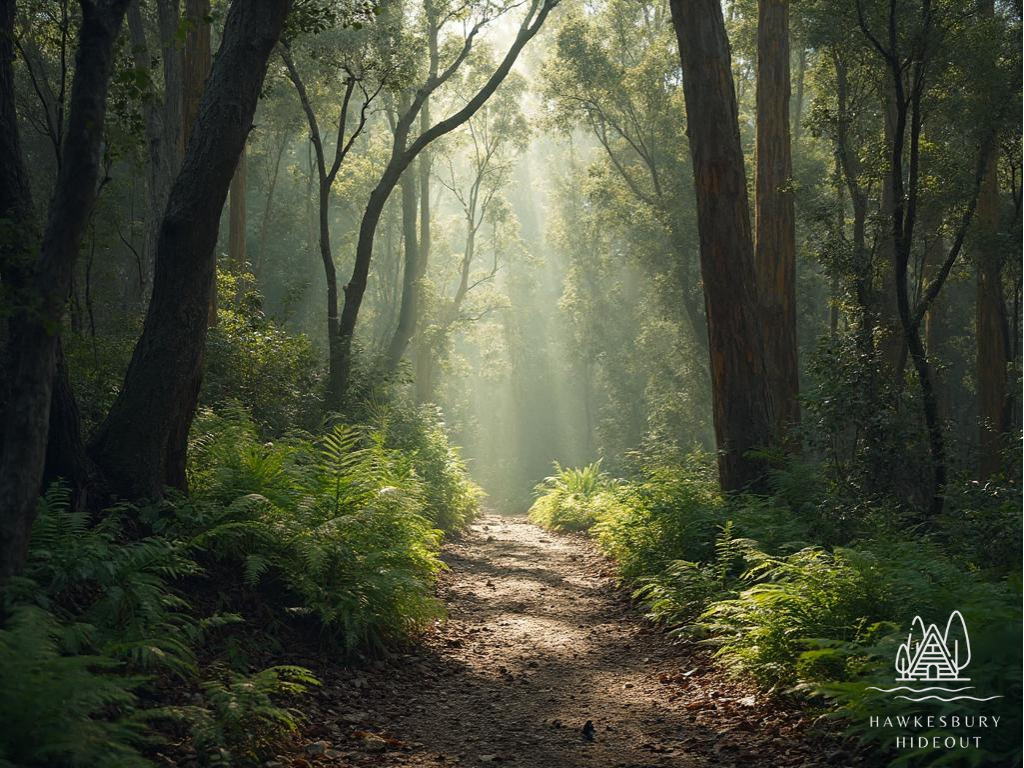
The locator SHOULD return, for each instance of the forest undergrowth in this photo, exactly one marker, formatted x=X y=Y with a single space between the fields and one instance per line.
x=140 y=630
x=808 y=591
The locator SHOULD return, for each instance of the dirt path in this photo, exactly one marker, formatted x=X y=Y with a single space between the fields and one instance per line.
x=540 y=640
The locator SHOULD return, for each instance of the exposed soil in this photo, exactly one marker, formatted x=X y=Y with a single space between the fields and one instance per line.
x=539 y=639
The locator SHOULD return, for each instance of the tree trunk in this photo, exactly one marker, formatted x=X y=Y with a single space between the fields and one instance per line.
x=335 y=386
x=142 y=445
x=424 y=169
x=991 y=328
x=168 y=22
x=937 y=323
x=775 y=234
x=892 y=347
x=409 y=310
x=261 y=254
x=65 y=452
x=798 y=106
x=424 y=356
x=991 y=324
x=236 y=218
x=740 y=398
x=401 y=157
x=196 y=63
x=416 y=252
x=33 y=335
x=162 y=125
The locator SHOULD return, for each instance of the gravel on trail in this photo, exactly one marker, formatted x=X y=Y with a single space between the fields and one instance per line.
x=543 y=662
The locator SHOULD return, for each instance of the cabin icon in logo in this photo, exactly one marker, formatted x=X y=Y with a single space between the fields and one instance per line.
x=931 y=656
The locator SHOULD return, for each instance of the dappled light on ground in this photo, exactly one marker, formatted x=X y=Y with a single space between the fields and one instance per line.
x=540 y=640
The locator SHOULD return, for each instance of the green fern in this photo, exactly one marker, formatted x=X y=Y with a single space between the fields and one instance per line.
x=63 y=710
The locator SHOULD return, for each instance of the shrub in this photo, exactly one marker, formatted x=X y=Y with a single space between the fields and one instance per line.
x=60 y=709
x=253 y=360
x=784 y=602
x=574 y=499
x=99 y=628
x=671 y=513
x=238 y=720
x=329 y=528
x=810 y=589
x=451 y=499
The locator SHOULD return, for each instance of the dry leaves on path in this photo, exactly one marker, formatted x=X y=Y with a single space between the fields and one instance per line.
x=539 y=642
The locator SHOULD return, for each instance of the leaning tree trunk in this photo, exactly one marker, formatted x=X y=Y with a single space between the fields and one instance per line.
x=141 y=447
x=355 y=289
x=775 y=234
x=33 y=333
x=740 y=398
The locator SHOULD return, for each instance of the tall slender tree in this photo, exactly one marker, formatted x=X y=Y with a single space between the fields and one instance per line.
x=907 y=58
x=405 y=150
x=741 y=400
x=774 y=223
x=368 y=71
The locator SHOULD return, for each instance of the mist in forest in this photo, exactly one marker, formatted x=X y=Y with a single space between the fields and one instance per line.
x=305 y=304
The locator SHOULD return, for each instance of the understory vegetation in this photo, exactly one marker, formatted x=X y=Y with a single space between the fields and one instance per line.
x=148 y=627
x=804 y=590
x=752 y=267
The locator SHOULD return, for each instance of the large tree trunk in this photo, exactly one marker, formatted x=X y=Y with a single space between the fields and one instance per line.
x=740 y=398
x=991 y=329
x=775 y=234
x=33 y=335
x=141 y=447
x=991 y=322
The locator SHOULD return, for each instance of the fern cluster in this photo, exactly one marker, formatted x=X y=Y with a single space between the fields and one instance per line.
x=95 y=631
x=103 y=652
x=331 y=527
x=573 y=499
x=807 y=590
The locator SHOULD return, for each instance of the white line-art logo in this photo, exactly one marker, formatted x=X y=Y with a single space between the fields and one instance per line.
x=932 y=657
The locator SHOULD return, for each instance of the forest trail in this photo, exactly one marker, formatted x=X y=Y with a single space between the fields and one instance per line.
x=539 y=640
